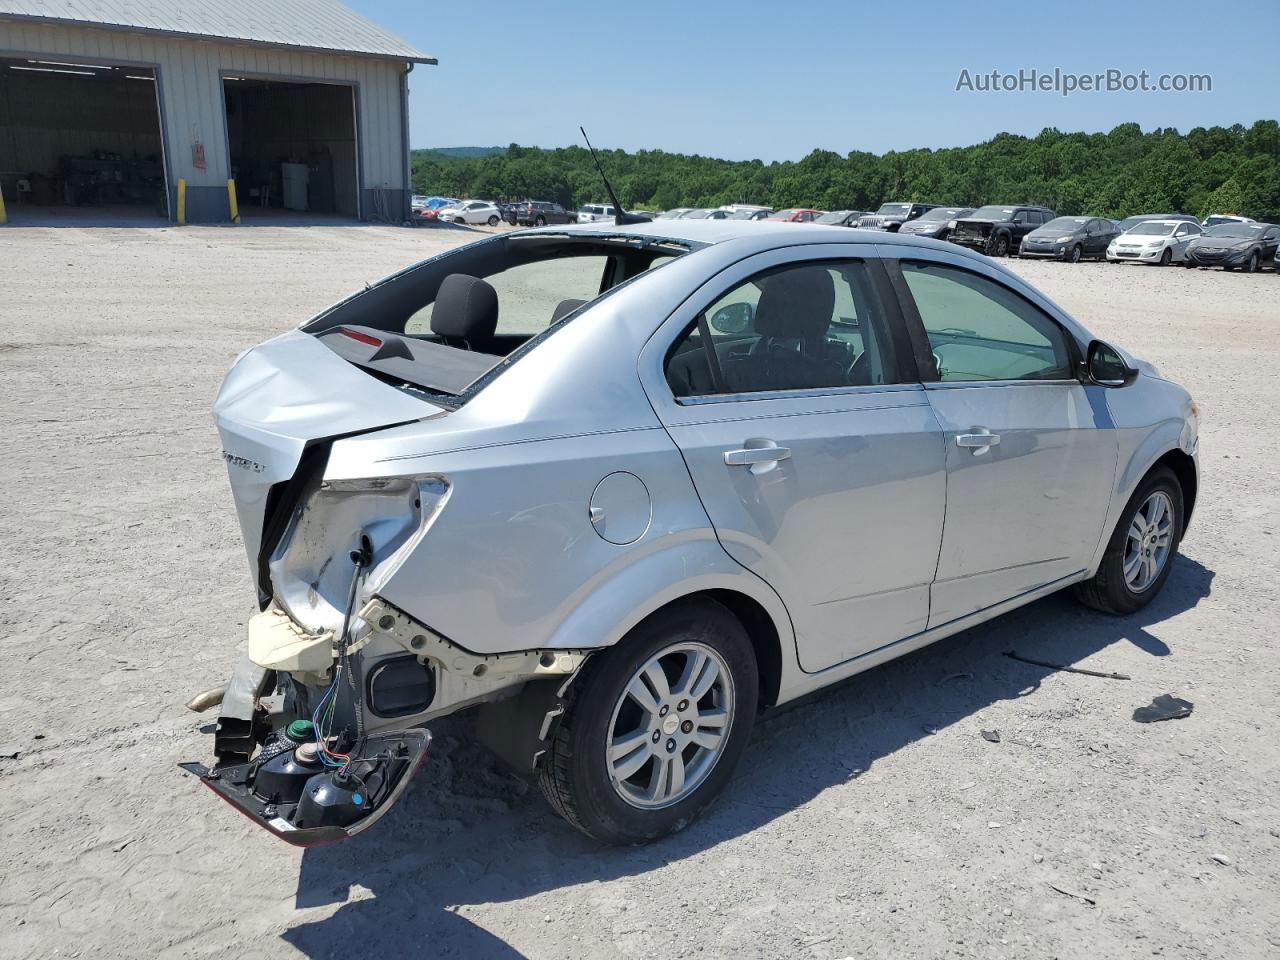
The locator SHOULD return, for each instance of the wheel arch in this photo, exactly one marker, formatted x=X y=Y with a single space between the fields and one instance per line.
x=1184 y=468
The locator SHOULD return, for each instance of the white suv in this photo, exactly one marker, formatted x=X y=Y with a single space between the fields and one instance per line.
x=473 y=211
x=593 y=212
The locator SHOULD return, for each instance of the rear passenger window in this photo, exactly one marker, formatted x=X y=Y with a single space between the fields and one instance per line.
x=981 y=330
x=800 y=327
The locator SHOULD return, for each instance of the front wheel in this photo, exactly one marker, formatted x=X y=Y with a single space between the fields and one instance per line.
x=1252 y=265
x=1140 y=554
x=1166 y=258
x=655 y=726
x=999 y=247
x=1076 y=253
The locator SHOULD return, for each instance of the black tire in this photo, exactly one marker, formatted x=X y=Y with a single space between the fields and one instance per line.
x=493 y=220
x=1188 y=264
x=1107 y=590
x=573 y=773
x=539 y=221
x=1077 y=254
x=1166 y=258
x=1251 y=265
x=998 y=246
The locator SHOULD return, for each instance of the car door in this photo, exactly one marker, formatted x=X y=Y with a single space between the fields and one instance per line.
x=1031 y=452
x=1097 y=236
x=789 y=388
x=1183 y=234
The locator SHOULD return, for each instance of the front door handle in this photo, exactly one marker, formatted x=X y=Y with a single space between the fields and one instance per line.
x=980 y=441
x=760 y=455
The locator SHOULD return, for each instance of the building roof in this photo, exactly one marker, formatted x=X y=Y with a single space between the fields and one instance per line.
x=316 y=25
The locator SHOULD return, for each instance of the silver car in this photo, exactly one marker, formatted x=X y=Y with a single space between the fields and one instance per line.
x=622 y=487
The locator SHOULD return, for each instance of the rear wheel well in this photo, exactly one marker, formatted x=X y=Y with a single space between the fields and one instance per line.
x=760 y=628
x=1184 y=469
x=764 y=639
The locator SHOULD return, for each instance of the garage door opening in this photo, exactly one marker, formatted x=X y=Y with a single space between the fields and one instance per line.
x=80 y=143
x=293 y=147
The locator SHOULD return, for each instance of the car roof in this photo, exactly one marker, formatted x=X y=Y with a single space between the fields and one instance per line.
x=769 y=233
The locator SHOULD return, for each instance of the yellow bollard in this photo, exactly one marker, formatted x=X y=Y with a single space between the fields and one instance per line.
x=4 y=218
x=231 y=201
x=182 y=202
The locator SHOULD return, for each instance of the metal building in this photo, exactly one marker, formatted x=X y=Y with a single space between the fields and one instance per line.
x=154 y=105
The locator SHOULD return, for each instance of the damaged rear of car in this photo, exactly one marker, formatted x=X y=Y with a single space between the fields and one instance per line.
x=407 y=488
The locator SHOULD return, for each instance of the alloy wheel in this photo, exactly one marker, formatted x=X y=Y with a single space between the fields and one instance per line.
x=1149 y=542
x=670 y=726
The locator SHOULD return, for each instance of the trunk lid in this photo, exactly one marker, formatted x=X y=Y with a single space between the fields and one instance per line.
x=285 y=396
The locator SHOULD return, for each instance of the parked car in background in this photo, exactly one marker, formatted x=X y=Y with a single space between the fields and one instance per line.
x=1161 y=242
x=472 y=211
x=745 y=211
x=539 y=213
x=749 y=213
x=795 y=215
x=1070 y=238
x=1217 y=219
x=1128 y=223
x=841 y=218
x=594 y=212
x=997 y=229
x=891 y=216
x=937 y=222
x=1231 y=245
x=535 y=520
x=704 y=213
x=673 y=214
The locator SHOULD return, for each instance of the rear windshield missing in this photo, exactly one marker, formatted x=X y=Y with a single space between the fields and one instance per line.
x=442 y=325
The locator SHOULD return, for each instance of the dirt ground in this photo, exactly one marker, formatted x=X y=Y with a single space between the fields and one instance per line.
x=872 y=821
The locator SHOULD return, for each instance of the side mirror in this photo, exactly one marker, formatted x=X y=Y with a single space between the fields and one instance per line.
x=735 y=318
x=1105 y=367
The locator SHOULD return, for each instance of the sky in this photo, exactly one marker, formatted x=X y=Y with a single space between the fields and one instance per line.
x=723 y=78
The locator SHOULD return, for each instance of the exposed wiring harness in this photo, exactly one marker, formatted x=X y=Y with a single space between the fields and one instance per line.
x=322 y=718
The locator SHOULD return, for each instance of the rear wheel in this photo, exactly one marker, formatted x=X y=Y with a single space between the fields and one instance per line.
x=1140 y=553
x=493 y=219
x=539 y=221
x=655 y=726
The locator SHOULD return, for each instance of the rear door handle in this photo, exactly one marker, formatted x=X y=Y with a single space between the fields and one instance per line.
x=760 y=455
x=979 y=441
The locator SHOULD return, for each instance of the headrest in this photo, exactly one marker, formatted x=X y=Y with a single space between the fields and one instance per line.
x=796 y=304
x=466 y=308
x=564 y=308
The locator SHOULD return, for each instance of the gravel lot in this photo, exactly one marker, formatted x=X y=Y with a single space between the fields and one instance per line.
x=873 y=820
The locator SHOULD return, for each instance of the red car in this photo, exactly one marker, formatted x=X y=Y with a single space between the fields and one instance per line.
x=795 y=215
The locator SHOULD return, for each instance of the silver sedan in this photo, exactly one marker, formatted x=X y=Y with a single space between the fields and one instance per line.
x=622 y=487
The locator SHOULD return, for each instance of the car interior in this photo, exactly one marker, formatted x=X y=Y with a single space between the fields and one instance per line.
x=497 y=295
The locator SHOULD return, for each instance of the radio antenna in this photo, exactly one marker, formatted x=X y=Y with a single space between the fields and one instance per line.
x=620 y=216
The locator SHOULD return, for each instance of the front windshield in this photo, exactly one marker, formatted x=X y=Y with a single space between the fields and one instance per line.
x=993 y=213
x=894 y=209
x=1217 y=221
x=1235 y=231
x=1152 y=228
x=1066 y=224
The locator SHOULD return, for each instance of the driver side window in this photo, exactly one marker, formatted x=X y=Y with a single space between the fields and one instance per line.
x=800 y=327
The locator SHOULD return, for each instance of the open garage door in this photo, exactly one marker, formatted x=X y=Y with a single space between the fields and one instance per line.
x=80 y=142
x=293 y=146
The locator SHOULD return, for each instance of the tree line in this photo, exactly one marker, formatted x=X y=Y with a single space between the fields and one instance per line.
x=1117 y=174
